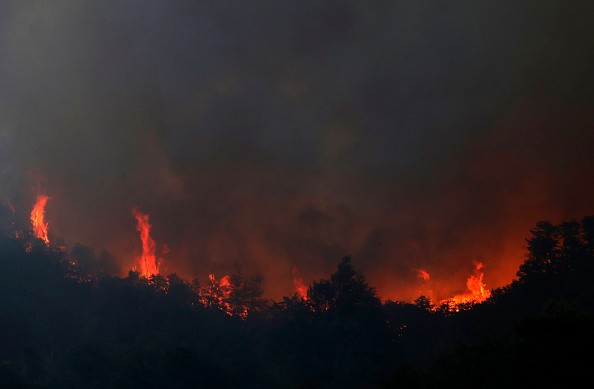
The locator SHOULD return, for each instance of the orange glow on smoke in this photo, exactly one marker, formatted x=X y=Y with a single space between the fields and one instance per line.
x=149 y=265
x=476 y=289
x=299 y=284
x=423 y=275
x=38 y=218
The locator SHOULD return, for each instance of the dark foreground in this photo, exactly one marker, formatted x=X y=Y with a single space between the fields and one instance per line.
x=66 y=324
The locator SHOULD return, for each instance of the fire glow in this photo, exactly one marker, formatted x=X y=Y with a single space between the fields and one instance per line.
x=423 y=275
x=299 y=284
x=476 y=289
x=221 y=291
x=221 y=295
x=38 y=218
x=149 y=266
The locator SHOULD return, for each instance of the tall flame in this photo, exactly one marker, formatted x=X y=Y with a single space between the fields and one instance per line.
x=38 y=218
x=476 y=289
x=148 y=261
x=299 y=285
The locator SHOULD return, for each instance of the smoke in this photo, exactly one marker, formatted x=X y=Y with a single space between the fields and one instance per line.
x=264 y=135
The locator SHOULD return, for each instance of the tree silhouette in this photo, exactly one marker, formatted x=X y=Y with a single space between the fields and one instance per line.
x=61 y=327
x=346 y=291
x=246 y=295
x=424 y=303
x=543 y=251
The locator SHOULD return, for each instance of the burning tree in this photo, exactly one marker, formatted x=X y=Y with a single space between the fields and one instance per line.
x=38 y=218
x=236 y=295
x=148 y=262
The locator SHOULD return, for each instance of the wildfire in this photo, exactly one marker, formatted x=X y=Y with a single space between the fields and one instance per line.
x=423 y=275
x=299 y=285
x=149 y=265
x=476 y=289
x=219 y=292
x=38 y=218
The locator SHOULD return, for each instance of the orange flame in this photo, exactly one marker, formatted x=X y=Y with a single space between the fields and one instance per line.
x=38 y=218
x=299 y=285
x=218 y=294
x=149 y=265
x=225 y=284
x=423 y=275
x=221 y=290
x=476 y=290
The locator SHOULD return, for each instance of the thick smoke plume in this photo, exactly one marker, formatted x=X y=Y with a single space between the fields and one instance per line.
x=260 y=136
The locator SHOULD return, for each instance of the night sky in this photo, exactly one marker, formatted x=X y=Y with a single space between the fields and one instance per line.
x=264 y=135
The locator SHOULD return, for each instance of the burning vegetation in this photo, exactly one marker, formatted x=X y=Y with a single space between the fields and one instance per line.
x=147 y=262
x=235 y=295
x=300 y=286
x=217 y=294
x=38 y=223
x=476 y=290
x=337 y=330
x=231 y=292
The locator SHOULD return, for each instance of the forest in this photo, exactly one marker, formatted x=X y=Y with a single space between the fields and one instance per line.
x=64 y=322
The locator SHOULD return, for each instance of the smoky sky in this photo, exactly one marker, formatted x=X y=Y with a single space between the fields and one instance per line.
x=262 y=135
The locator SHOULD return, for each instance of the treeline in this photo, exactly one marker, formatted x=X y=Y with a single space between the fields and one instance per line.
x=65 y=323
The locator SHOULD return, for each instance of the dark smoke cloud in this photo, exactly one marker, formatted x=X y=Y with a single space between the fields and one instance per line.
x=259 y=135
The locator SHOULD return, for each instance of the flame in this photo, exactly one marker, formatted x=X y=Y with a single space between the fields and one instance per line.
x=149 y=265
x=38 y=218
x=299 y=285
x=476 y=289
x=225 y=283
x=218 y=295
x=423 y=275
x=221 y=291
